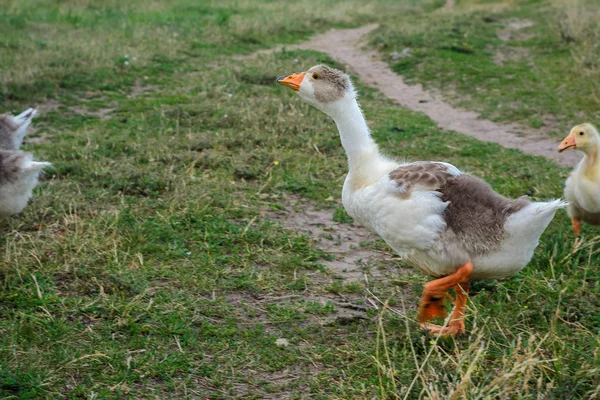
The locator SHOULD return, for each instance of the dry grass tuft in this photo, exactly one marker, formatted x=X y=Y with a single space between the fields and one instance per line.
x=578 y=23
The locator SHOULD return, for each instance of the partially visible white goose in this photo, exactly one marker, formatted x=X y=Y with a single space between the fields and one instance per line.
x=582 y=189
x=13 y=129
x=449 y=224
x=18 y=176
x=18 y=171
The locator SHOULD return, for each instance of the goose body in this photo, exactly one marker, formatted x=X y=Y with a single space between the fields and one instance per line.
x=449 y=224
x=18 y=176
x=583 y=196
x=450 y=220
x=19 y=173
x=582 y=188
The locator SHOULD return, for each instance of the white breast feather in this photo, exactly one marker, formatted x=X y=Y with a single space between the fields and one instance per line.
x=406 y=224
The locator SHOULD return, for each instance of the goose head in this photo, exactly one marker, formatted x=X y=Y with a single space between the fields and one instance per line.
x=583 y=137
x=13 y=129
x=321 y=86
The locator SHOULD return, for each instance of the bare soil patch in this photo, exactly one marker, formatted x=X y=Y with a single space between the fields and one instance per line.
x=449 y=4
x=102 y=113
x=352 y=247
x=504 y=55
x=48 y=106
x=42 y=138
x=512 y=30
x=345 y=46
x=141 y=88
x=253 y=308
x=51 y=105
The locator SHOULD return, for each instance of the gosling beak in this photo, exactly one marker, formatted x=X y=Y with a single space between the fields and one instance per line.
x=567 y=143
x=292 y=81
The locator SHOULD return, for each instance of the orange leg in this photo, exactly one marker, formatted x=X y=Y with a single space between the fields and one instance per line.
x=457 y=323
x=432 y=301
x=576 y=224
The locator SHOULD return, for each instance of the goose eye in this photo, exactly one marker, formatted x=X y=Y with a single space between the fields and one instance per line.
x=580 y=133
x=315 y=76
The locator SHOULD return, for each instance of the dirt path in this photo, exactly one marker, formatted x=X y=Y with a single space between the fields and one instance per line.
x=354 y=258
x=345 y=46
x=449 y=4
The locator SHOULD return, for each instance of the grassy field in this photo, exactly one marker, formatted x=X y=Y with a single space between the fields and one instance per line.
x=150 y=262
x=534 y=62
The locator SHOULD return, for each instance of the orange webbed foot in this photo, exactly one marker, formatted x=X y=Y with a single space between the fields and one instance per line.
x=455 y=328
x=432 y=302
x=432 y=306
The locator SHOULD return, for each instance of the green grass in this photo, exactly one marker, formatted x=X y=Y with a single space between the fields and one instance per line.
x=147 y=264
x=544 y=75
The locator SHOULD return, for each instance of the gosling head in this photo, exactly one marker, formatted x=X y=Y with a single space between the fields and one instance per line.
x=13 y=129
x=321 y=86
x=583 y=137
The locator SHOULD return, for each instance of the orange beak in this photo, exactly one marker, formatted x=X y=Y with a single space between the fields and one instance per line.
x=292 y=81
x=567 y=143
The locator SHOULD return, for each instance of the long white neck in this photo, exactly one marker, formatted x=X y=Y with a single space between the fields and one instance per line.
x=365 y=164
x=354 y=132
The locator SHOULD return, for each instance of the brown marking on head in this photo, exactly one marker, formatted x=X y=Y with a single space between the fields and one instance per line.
x=329 y=84
x=475 y=215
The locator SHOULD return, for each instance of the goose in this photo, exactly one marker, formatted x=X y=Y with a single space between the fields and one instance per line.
x=18 y=176
x=450 y=225
x=13 y=129
x=18 y=171
x=582 y=189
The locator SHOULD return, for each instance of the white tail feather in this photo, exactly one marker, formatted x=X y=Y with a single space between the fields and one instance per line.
x=34 y=166
x=550 y=206
x=524 y=229
x=531 y=221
